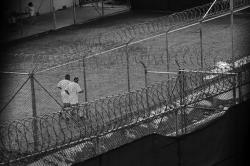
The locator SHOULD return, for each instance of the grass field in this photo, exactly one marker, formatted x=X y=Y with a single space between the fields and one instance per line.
x=106 y=75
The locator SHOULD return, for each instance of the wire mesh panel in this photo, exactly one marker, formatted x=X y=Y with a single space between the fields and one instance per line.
x=166 y=106
x=107 y=122
x=213 y=48
x=48 y=94
x=106 y=74
x=239 y=30
x=15 y=97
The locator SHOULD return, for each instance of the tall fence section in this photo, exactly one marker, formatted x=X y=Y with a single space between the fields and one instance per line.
x=137 y=80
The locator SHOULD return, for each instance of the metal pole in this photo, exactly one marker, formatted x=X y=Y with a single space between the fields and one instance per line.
x=21 y=21
x=102 y=9
x=183 y=81
x=34 y=113
x=74 y=11
x=239 y=86
x=201 y=45
x=146 y=86
x=128 y=73
x=167 y=54
x=53 y=11
x=128 y=77
x=97 y=146
x=129 y=4
x=232 y=27
x=234 y=89
x=232 y=44
x=181 y=99
x=84 y=79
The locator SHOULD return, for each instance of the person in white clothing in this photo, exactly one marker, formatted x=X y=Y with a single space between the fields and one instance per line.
x=62 y=86
x=73 y=89
x=31 y=9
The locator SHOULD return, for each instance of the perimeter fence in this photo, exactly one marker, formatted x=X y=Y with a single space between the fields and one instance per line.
x=168 y=107
x=111 y=64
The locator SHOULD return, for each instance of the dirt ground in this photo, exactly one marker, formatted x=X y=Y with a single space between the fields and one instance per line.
x=111 y=79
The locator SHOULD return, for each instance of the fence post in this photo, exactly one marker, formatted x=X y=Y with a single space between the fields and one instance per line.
x=128 y=75
x=74 y=11
x=97 y=146
x=128 y=3
x=176 y=111
x=84 y=80
x=34 y=113
x=182 y=114
x=239 y=86
x=201 y=44
x=232 y=46
x=183 y=101
x=167 y=53
x=232 y=27
x=146 y=86
x=53 y=11
x=102 y=9
x=127 y=63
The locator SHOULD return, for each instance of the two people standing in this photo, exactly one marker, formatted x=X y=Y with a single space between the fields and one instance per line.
x=69 y=91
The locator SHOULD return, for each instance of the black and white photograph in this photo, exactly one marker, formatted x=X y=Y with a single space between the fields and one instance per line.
x=124 y=82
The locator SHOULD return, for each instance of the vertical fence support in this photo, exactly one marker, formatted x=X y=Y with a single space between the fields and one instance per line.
x=182 y=110
x=128 y=3
x=128 y=75
x=183 y=101
x=53 y=11
x=146 y=86
x=34 y=113
x=74 y=11
x=176 y=111
x=234 y=89
x=232 y=27
x=85 y=86
x=97 y=146
x=239 y=80
x=167 y=54
x=232 y=45
x=84 y=80
x=201 y=44
x=102 y=8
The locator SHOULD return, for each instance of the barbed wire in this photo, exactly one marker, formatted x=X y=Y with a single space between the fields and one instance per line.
x=112 y=113
x=120 y=35
x=107 y=114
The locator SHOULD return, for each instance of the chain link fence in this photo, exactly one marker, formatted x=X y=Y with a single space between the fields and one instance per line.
x=167 y=108
x=123 y=65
